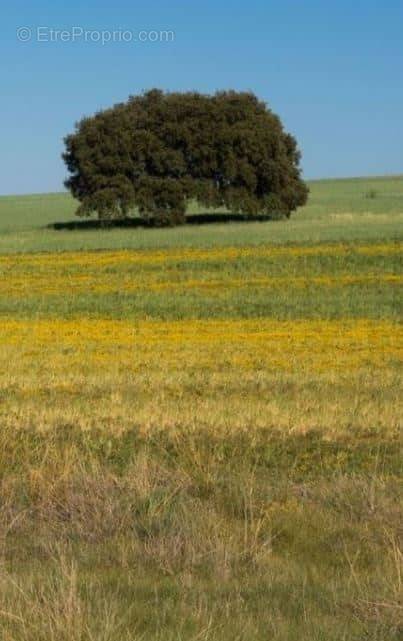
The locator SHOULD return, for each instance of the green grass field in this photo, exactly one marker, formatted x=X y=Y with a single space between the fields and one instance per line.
x=201 y=426
x=337 y=210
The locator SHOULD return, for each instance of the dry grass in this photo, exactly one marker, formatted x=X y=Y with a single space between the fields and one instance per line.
x=191 y=536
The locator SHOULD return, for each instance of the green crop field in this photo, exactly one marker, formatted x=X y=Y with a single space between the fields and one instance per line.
x=201 y=426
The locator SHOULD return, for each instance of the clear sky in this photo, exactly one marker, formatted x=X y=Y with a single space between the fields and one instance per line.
x=331 y=70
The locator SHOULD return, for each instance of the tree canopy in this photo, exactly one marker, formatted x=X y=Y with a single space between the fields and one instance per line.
x=159 y=150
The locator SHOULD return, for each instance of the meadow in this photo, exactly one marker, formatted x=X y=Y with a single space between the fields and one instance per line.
x=201 y=427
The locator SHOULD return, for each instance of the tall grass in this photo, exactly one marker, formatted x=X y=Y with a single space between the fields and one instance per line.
x=196 y=536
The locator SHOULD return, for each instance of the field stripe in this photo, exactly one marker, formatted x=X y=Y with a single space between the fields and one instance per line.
x=40 y=284
x=106 y=258
x=259 y=344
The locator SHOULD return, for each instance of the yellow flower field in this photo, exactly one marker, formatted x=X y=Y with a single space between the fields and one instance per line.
x=65 y=333
x=258 y=344
x=216 y=270
x=109 y=258
x=42 y=284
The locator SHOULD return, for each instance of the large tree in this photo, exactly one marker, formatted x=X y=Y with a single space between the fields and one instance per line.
x=159 y=150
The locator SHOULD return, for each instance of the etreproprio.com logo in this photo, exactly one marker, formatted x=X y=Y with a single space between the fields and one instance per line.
x=103 y=37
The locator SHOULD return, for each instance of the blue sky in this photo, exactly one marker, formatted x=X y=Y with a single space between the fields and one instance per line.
x=331 y=70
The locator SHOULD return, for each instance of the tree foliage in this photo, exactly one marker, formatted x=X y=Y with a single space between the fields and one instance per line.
x=159 y=150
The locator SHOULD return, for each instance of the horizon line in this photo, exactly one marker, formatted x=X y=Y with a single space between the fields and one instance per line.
x=308 y=180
